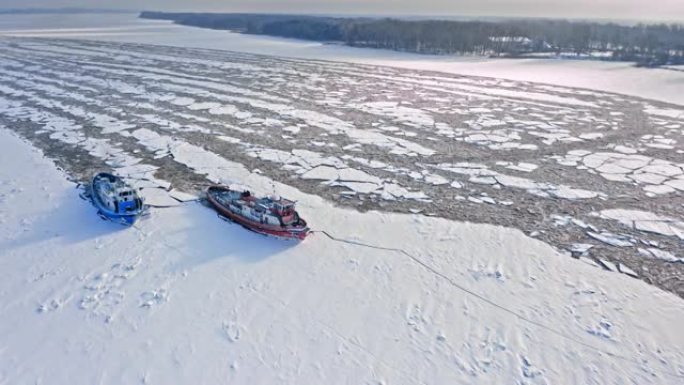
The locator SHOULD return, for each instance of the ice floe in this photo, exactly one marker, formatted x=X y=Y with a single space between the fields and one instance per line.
x=653 y=252
x=634 y=168
x=646 y=221
x=481 y=174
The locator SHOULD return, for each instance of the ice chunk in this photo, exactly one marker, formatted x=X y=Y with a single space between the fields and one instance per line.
x=610 y=239
x=181 y=196
x=157 y=197
x=646 y=221
x=626 y=270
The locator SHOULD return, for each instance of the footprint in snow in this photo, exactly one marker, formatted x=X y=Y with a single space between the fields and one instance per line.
x=152 y=298
x=231 y=330
x=104 y=291
x=528 y=370
x=603 y=329
x=51 y=305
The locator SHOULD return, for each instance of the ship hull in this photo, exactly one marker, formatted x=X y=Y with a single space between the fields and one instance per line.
x=106 y=213
x=286 y=232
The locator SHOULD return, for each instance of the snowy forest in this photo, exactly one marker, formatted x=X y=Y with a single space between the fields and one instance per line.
x=646 y=44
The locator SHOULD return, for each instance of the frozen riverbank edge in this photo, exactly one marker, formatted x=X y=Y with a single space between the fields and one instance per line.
x=185 y=297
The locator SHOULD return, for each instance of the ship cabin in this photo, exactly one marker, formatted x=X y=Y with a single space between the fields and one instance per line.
x=271 y=211
x=117 y=197
x=285 y=209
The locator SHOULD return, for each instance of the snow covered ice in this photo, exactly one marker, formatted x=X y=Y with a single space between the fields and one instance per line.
x=180 y=299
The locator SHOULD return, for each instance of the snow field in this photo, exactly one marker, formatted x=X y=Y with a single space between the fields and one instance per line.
x=181 y=298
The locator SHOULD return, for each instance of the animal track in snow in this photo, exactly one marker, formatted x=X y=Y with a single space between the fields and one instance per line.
x=104 y=292
x=152 y=298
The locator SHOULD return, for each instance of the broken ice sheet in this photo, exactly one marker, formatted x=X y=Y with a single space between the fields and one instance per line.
x=611 y=239
x=646 y=221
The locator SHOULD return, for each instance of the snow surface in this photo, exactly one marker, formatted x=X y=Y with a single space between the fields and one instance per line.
x=658 y=84
x=184 y=297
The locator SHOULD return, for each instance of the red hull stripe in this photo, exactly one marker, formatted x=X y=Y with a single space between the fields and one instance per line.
x=277 y=231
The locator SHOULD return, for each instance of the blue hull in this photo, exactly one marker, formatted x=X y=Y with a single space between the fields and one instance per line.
x=126 y=219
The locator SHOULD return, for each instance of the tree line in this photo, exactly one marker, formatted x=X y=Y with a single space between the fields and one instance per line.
x=646 y=44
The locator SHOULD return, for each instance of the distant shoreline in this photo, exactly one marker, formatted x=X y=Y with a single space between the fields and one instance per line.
x=51 y=11
x=652 y=45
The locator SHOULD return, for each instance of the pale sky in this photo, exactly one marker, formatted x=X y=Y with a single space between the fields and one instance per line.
x=671 y=10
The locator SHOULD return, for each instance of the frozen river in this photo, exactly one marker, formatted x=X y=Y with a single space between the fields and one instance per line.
x=453 y=206
x=658 y=84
